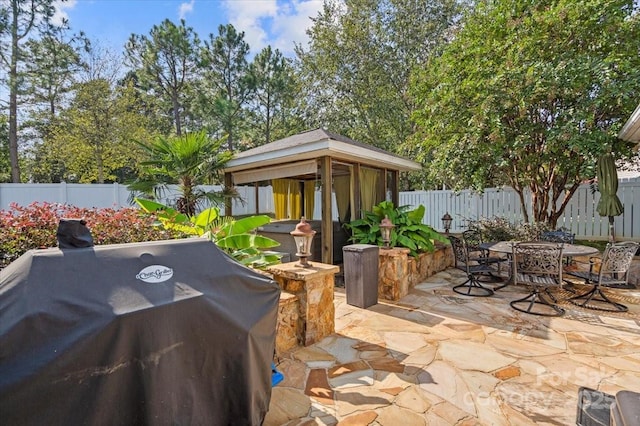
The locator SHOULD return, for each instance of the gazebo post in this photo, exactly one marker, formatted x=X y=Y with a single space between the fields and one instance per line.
x=327 y=220
x=228 y=207
x=395 y=193
x=357 y=214
x=256 y=187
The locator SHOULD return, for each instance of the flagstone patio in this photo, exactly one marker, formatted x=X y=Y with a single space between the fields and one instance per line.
x=439 y=358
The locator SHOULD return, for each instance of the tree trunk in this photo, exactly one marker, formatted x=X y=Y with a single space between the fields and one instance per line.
x=13 y=98
x=176 y=114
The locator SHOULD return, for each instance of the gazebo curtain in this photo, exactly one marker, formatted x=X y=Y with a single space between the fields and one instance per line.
x=309 y=198
x=280 y=197
x=368 y=188
x=295 y=209
x=287 y=199
x=343 y=188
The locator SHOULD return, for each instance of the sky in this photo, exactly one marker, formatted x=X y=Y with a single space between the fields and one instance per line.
x=279 y=23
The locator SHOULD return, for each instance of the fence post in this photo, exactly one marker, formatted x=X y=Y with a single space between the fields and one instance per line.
x=63 y=192
x=116 y=195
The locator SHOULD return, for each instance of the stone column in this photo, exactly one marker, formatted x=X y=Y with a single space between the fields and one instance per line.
x=288 y=328
x=393 y=275
x=314 y=289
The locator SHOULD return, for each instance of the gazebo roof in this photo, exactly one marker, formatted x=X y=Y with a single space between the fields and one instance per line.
x=631 y=130
x=315 y=144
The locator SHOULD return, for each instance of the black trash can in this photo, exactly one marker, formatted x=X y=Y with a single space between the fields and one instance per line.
x=594 y=407
x=361 y=274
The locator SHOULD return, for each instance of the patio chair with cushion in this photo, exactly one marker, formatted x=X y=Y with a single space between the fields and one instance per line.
x=472 y=286
x=610 y=270
x=538 y=265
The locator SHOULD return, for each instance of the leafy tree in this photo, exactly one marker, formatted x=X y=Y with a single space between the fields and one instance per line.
x=273 y=100
x=101 y=63
x=187 y=161
x=92 y=139
x=166 y=64
x=528 y=94
x=54 y=62
x=227 y=83
x=18 y=20
x=48 y=79
x=355 y=71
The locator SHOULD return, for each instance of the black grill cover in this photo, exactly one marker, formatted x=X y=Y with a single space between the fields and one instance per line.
x=167 y=332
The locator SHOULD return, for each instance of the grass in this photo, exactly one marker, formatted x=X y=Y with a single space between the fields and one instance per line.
x=599 y=244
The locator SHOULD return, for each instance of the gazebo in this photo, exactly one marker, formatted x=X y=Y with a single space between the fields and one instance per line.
x=631 y=130
x=355 y=175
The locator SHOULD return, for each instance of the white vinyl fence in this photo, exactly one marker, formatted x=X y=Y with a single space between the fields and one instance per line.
x=580 y=215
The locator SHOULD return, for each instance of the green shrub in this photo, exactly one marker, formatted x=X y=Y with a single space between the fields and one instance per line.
x=409 y=231
x=23 y=228
x=500 y=229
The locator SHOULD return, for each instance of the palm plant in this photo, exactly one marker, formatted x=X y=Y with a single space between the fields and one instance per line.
x=188 y=160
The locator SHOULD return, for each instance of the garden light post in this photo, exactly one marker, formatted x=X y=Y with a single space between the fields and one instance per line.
x=385 y=229
x=446 y=222
x=303 y=236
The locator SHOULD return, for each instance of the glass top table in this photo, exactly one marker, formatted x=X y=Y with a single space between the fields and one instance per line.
x=567 y=249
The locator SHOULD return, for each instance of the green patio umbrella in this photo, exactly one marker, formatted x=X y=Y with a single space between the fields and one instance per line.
x=609 y=204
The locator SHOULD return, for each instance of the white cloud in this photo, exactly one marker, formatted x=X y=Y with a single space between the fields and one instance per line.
x=185 y=8
x=249 y=16
x=61 y=11
x=278 y=23
x=291 y=27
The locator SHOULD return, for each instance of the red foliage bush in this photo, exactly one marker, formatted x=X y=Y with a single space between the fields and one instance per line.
x=34 y=226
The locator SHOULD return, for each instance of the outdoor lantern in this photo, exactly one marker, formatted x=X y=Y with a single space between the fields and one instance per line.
x=385 y=229
x=446 y=222
x=303 y=236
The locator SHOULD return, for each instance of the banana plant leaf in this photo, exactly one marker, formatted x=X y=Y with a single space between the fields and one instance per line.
x=242 y=241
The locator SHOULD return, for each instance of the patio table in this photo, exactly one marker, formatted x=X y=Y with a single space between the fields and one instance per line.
x=568 y=250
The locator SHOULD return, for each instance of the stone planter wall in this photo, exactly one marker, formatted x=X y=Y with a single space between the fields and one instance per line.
x=398 y=272
x=428 y=264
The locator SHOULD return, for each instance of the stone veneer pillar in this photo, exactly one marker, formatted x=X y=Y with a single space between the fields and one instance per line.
x=393 y=273
x=314 y=289
x=287 y=331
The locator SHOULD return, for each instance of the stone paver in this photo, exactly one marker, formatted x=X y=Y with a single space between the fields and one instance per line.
x=438 y=358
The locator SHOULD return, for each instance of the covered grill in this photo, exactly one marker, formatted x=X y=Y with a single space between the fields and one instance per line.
x=159 y=332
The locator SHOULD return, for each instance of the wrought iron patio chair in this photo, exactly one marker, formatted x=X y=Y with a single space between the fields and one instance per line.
x=561 y=236
x=472 y=240
x=611 y=270
x=472 y=286
x=538 y=265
